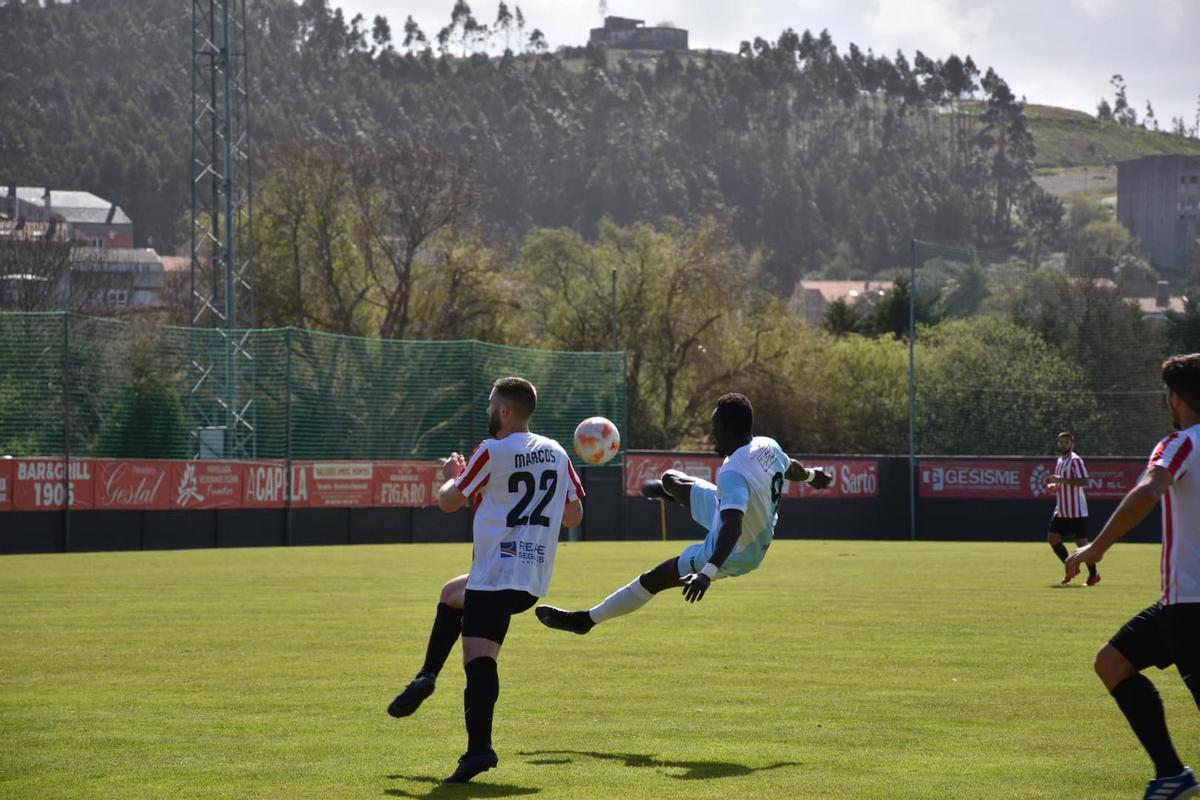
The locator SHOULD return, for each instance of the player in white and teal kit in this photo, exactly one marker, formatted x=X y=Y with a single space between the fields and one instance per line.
x=739 y=513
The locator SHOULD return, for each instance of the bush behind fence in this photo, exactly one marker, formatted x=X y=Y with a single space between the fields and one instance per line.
x=101 y=387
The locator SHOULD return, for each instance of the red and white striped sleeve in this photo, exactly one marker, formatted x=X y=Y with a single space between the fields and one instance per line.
x=475 y=476
x=575 y=490
x=1172 y=454
x=1080 y=468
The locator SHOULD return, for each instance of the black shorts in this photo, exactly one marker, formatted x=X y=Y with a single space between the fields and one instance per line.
x=1074 y=528
x=1163 y=635
x=486 y=614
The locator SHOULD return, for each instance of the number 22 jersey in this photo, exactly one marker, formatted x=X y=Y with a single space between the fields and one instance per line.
x=519 y=487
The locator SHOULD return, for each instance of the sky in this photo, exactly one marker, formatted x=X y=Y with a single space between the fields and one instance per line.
x=1054 y=52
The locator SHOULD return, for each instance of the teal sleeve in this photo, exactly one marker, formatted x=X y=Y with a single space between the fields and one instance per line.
x=734 y=491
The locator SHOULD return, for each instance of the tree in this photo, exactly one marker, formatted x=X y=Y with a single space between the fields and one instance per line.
x=1104 y=111
x=310 y=262
x=35 y=266
x=504 y=24
x=381 y=33
x=986 y=385
x=147 y=419
x=413 y=35
x=1123 y=112
x=537 y=41
x=404 y=196
x=1043 y=216
x=841 y=318
x=1150 y=121
x=1006 y=135
x=890 y=313
x=1183 y=327
x=679 y=299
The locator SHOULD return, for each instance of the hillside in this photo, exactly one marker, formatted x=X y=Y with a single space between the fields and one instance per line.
x=1067 y=138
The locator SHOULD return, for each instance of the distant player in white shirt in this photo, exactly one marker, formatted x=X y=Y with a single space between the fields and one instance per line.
x=739 y=513
x=1070 y=509
x=522 y=489
x=1167 y=632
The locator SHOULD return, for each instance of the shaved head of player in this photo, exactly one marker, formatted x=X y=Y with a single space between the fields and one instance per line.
x=1168 y=632
x=739 y=513
x=521 y=488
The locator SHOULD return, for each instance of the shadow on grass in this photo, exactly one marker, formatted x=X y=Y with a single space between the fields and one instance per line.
x=448 y=790
x=691 y=770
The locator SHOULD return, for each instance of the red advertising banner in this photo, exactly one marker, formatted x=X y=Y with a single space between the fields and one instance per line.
x=207 y=484
x=7 y=468
x=406 y=484
x=1020 y=480
x=264 y=484
x=39 y=484
x=852 y=478
x=642 y=468
x=333 y=484
x=132 y=485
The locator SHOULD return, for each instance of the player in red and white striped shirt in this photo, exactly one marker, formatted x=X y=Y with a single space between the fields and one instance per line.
x=522 y=489
x=1167 y=632
x=1070 y=512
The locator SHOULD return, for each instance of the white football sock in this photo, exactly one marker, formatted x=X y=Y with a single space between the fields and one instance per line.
x=626 y=600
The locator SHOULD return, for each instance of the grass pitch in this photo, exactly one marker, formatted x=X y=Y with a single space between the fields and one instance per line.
x=838 y=670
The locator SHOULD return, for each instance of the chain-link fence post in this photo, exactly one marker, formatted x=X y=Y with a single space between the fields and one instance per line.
x=912 y=390
x=66 y=390
x=287 y=421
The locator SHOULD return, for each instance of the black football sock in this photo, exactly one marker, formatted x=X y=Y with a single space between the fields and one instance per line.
x=1092 y=570
x=1140 y=703
x=1060 y=550
x=447 y=626
x=479 y=703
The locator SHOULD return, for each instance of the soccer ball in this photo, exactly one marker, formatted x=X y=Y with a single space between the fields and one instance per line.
x=597 y=440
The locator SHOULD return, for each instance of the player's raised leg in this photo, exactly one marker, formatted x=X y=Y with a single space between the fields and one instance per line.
x=626 y=600
x=672 y=485
x=447 y=625
x=698 y=496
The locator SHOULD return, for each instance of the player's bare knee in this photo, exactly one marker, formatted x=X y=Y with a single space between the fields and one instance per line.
x=454 y=592
x=474 y=647
x=1112 y=667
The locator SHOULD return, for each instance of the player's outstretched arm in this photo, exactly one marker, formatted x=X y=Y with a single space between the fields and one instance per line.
x=694 y=586
x=450 y=498
x=1133 y=508
x=816 y=477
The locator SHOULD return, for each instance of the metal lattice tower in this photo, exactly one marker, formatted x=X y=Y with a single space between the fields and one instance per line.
x=221 y=376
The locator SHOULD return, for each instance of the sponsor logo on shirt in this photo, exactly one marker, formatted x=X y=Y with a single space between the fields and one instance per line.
x=525 y=552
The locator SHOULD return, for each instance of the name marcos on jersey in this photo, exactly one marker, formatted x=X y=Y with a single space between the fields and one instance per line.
x=543 y=456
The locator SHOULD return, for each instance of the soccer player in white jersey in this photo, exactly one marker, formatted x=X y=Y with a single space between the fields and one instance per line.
x=522 y=489
x=1070 y=511
x=739 y=513
x=1167 y=632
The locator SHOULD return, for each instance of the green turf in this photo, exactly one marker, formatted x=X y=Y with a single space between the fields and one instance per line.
x=839 y=670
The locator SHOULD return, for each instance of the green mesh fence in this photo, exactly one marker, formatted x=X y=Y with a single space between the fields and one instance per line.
x=1009 y=352
x=111 y=388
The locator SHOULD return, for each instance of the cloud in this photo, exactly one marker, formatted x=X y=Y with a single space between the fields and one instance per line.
x=934 y=26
